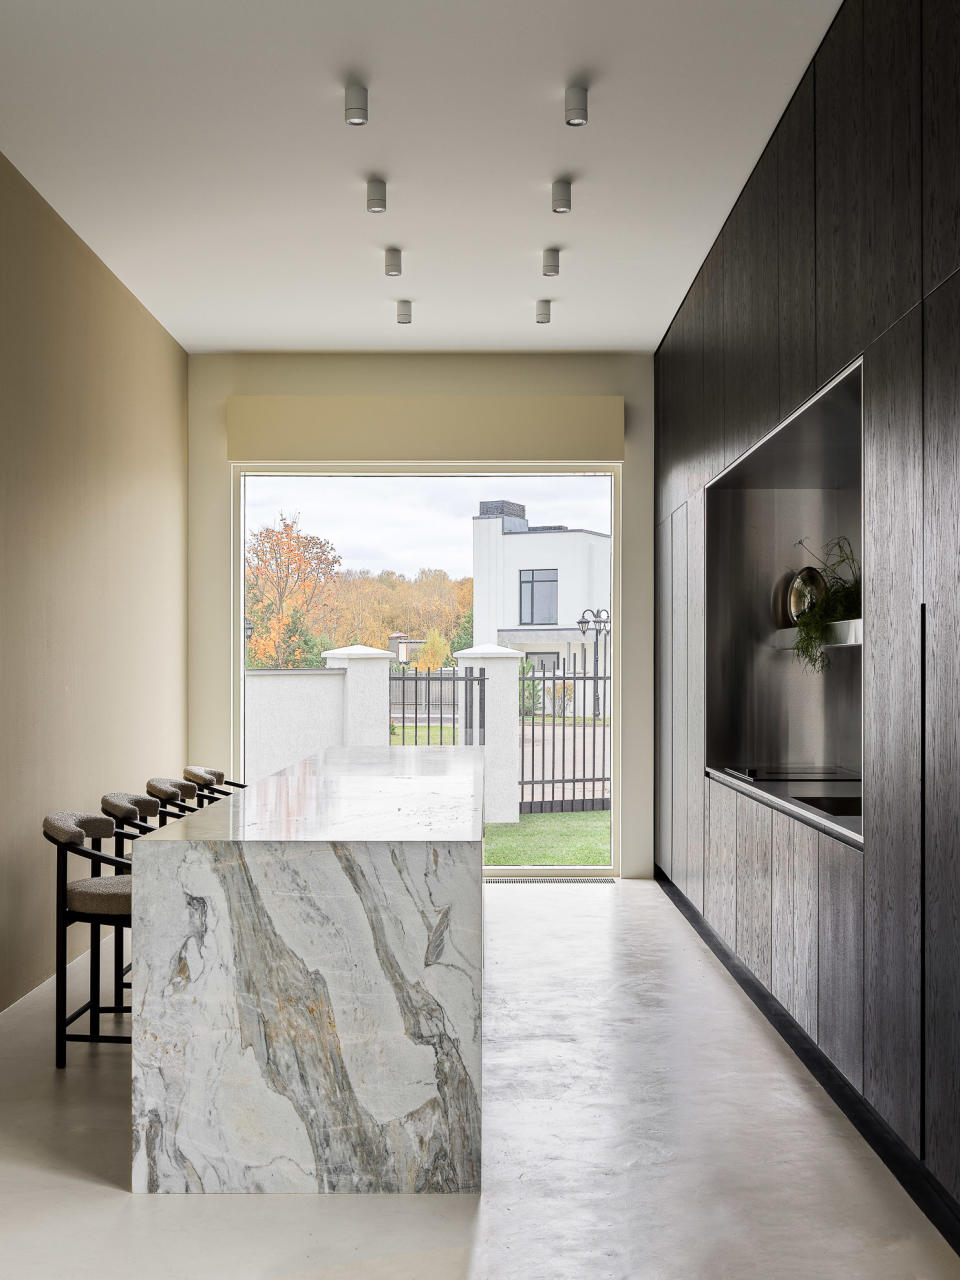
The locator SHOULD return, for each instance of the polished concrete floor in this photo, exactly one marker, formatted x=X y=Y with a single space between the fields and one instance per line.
x=641 y=1120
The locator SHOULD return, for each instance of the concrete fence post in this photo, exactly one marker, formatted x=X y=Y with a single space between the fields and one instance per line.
x=366 y=694
x=501 y=756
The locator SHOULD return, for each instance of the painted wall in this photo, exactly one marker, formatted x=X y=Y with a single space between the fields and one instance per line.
x=213 y=379
x=289 y=715
x=93 y=532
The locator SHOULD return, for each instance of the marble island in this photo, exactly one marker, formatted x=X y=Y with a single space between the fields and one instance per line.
x=307 y=981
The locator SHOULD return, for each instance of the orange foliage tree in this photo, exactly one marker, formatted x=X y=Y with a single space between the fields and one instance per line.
x=289 y=577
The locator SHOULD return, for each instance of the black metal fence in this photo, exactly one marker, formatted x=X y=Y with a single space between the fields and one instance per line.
x=441 y=707
x=565 y=743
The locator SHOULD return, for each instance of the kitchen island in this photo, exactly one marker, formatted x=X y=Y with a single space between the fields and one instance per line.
x=307 y=981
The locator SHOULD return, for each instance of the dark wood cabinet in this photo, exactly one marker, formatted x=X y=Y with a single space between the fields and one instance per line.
x=663 y=808
x=941 y=425
x=720 y=863
x=695 y=699
x=840 y=957
x=796 y=223
x=754 y=852
x=941 y=141
x=838 y=72
x=751 y=351
x=712 y=286
x=892 y=730
x=794 y=915
x=892 y=149
x=678 y=694
x=666 y=381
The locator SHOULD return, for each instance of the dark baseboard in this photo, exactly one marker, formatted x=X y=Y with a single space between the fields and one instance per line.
x=922 y=1187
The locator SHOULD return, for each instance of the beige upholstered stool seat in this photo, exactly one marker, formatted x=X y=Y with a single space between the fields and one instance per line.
x=100 y=895
x=203 y=775
x=171 y=789
x=127 y=806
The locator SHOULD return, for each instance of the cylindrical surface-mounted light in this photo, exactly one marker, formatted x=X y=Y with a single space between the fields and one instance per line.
x=575 y=105
x=404 y=311
x=543 y=311
x=355 y=104
x=551 y=262
x=376 y=195
x=392 y=265
x=561 y=196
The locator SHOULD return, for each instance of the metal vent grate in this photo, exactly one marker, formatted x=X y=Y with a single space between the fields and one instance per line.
x=549 y=880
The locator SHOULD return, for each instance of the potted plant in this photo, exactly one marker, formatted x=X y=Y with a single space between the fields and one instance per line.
x=825 y=596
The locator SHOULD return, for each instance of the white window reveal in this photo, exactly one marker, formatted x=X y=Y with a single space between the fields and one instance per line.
x=538 y=597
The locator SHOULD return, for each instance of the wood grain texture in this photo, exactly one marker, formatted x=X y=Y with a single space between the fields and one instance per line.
x=941 y=141
x=696 y=706
x=720 y=871
x=840 y=985
x=838 y=71
x=713 y=448
x=796 y=222
x=892 y=139
x=783 y=966
x=690 y=425
x=669 y=464
x=754 y=837
x=892 y=738
x=664 y=703
x=806 y=924
x=942 y=739
x=751 y=352
x=678 y=690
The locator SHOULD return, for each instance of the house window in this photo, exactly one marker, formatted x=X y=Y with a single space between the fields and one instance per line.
x=544 y=661
x=538 y=597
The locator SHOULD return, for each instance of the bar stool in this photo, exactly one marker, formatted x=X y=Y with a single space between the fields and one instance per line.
x=127 y=810
x=95 y=900
x=173 y=794
x=209 y=780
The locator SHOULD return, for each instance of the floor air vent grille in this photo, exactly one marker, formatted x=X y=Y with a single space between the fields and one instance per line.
x=549 y=880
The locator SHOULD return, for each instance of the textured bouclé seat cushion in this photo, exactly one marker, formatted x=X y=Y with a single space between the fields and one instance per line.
x=69 y=827
x=203 y=775
x=100 y=895
x=129 y=807
x=171 y=789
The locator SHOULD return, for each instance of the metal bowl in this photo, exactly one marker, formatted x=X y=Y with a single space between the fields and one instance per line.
x=805 y=587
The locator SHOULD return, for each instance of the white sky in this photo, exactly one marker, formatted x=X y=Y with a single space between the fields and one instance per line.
x=406 y=523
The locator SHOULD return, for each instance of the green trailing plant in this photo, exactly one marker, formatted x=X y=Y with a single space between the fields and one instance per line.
x=839 y=601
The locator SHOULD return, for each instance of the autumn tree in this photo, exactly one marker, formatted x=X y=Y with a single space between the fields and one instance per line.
x=288 y=581
x=433 y=653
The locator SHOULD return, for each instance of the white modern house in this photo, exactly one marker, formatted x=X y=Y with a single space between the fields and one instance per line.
x=532 y=582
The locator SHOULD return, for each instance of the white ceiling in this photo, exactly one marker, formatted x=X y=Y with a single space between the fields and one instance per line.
x=198 y=146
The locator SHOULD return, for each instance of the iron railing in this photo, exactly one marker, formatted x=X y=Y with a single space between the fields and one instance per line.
x=565 y=744
x=438 y=707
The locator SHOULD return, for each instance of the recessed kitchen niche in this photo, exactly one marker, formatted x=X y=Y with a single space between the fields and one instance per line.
x=766 y=714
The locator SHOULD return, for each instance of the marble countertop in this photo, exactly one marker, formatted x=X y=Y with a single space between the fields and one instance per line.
x=351 y=793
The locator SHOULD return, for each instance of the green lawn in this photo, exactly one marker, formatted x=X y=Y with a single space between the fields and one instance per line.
x=423 y=740
x=549 y=840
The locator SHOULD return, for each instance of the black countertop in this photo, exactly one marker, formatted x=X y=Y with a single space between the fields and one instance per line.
x=791 y=796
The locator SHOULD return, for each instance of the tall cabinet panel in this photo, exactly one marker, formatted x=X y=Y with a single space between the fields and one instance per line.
x=840 y=1013
x=754 y=850
x=838 y=70
x=796 y=221
x=794 y=915
x=690 y=424
x=678 y=693
x=751 y=366
x=941 y=396
x=666 y=379
x=712 y=276
x=892 y=704
x=941 y=141
x=664 y=701
x=695 y=698
x=892 y=216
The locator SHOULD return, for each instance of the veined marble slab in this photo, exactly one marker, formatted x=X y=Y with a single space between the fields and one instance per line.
x=306 y=1011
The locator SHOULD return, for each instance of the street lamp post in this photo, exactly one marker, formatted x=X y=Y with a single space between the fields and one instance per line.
x=599 y=620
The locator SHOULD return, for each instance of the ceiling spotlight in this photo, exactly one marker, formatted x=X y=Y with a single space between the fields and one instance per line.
x=404 y=311
x=392 y=265
x=575 y=105
x=551 y=262
x=355 y=104
x=376 y=195
x=561 y=196
x=543 y=311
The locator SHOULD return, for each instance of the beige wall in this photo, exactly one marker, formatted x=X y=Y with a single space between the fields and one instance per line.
x=92 y=585
x=214 y=379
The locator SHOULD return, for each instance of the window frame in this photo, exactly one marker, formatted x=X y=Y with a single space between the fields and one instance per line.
x=531 y=582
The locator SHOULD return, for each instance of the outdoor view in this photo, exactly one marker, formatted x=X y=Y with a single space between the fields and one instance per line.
x=423 y=568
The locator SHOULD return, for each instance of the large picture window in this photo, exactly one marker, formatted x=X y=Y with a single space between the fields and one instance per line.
x=538 y=597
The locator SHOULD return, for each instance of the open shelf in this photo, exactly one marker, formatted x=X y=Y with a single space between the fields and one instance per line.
x=844 y=634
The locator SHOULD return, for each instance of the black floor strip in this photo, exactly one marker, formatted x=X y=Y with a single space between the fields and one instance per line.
x=925 y=1191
